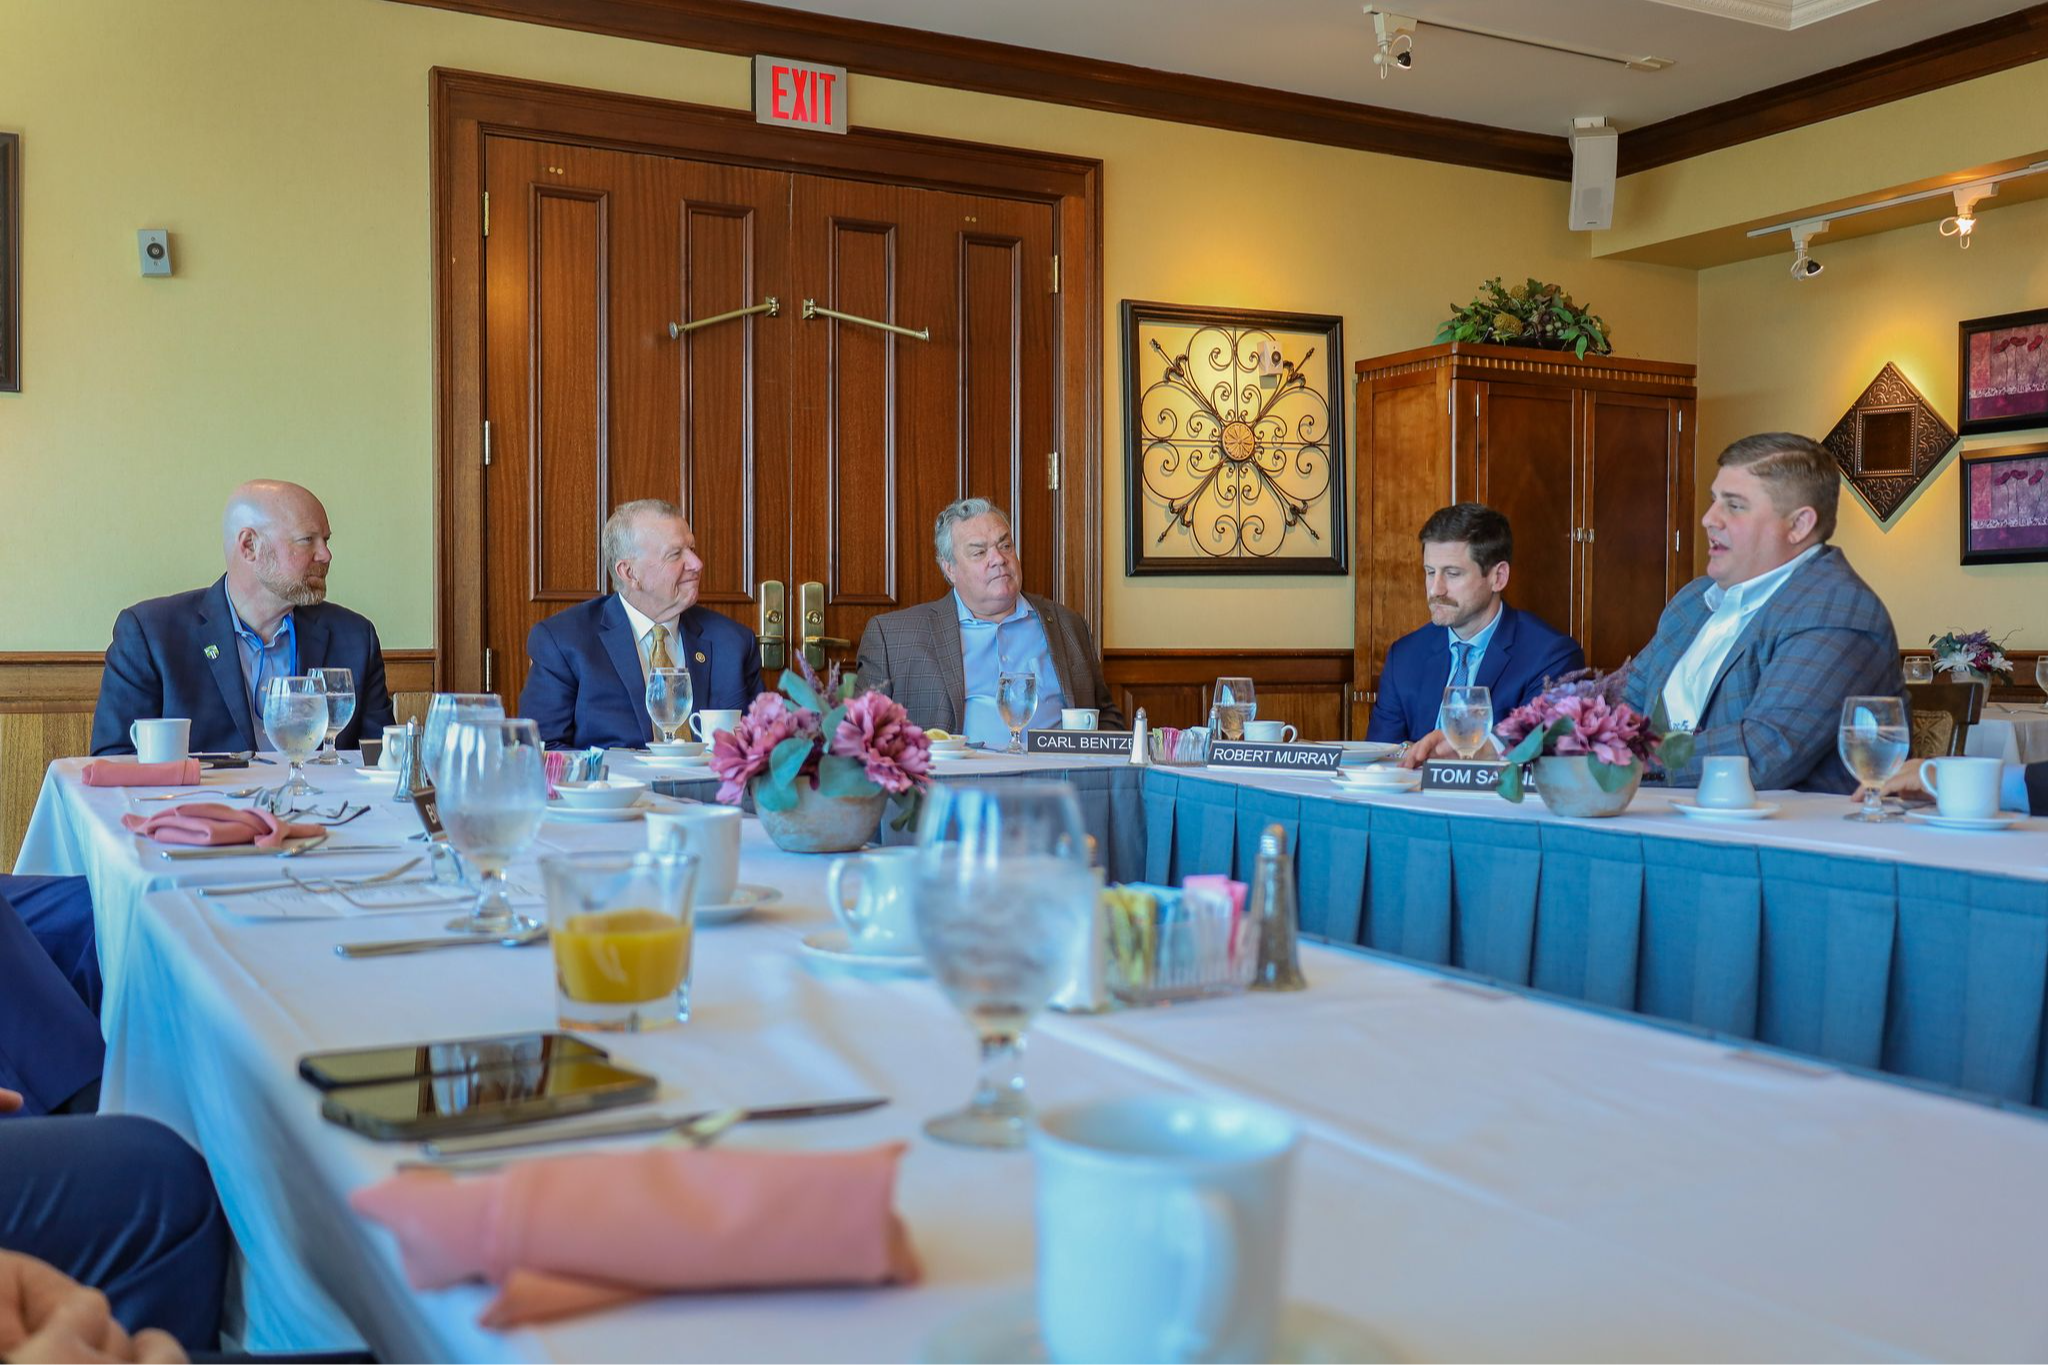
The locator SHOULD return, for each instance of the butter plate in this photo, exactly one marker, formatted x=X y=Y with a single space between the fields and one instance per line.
x=1967 y=823
x=1762 y=810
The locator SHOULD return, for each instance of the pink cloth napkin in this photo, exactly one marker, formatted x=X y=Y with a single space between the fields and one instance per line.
x=567 y=1235
x=212 y=823
x=103 y=772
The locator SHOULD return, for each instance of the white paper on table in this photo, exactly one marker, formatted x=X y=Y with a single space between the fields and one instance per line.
x=409 y=896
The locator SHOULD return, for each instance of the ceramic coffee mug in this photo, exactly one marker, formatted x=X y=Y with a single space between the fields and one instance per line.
x=878 y=919
x=705 y=724
x=1724 y=783
x=391 y=753
x=712 y=833
x=1963 y=788
x=1161 y=1228
x=161 y=741
x=1270 y=732
x=1079 y=718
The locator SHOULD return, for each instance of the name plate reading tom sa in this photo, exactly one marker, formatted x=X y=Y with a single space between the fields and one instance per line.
x=1459 y=775
x=1100 y=743
x=1284 y=758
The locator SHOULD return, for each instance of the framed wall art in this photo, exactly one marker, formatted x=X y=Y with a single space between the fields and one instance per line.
x=10 y=263
x=2004 y=373
x=1233 y=441
x=2005 y=505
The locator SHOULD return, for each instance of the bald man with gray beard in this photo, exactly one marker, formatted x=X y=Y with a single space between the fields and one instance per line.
x=206 y=655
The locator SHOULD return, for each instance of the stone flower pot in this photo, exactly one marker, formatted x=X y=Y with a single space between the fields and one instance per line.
x=823 y=824
x=1566 y=784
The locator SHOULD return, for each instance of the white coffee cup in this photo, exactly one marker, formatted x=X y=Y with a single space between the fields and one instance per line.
x=705 y=724
x=1270 y=732
x=1161 y=1228
x=161 y=741
x=879 y=918
x=1724 y=783
x=1079 y=718
x=712 y=833
x=1963 y=788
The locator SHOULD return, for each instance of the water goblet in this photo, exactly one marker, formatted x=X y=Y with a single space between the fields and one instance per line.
x=443 y=710
x=669 y=700
x=1017 y=700
x=1468 y=718
x=1233 y=705
x=2041 y=675
x=341 y=706
x=295 y=719
x=1004 y=899
x=493 y=793
x=1874 y=739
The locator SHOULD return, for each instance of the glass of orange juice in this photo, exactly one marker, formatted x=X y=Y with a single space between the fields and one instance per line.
x=621 y=930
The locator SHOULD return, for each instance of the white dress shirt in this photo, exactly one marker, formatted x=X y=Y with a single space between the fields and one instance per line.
x=643 y=632
x=1692 y=681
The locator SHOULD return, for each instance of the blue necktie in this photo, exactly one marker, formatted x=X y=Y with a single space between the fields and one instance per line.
x=1461 y=663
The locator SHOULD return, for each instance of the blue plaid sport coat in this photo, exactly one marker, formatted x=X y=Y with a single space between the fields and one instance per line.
x=1778 y=697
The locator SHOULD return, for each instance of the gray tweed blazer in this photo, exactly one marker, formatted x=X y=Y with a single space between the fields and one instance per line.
x=918 y=650
x=1778 y=697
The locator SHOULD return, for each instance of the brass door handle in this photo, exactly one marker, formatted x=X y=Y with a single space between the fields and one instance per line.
x=828 y=641
x=774 y=629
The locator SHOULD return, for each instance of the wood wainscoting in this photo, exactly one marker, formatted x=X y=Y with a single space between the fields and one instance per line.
x=1308 y=688
x=46 y=704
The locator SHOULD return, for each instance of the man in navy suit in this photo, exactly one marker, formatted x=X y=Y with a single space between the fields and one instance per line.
x=587 y=682
x=207 y=654
x=50 y=1047
x=1473 y=638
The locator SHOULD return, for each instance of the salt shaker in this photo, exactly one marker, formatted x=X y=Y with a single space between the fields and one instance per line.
x=1141 y=741
x=412 y=772
x=1273 y=906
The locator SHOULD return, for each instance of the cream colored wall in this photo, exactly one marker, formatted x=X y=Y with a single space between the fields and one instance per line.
x=284 y=144
x=1786 y=356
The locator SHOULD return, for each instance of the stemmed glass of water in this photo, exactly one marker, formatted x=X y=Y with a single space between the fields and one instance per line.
x=1017 y=699
x=1874 y=742
x=2041 y=675
x=341 y=705
x=443 y=711
x=1233 y=705
x=493 y=792
x=669 y=700
x=1468 y=718
x=295 y=718
x=1004 y=901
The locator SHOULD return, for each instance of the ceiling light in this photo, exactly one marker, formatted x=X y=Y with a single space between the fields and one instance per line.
x=1396 y=35
x=1804 y=267
x=1965 y=220
x=1980 y=188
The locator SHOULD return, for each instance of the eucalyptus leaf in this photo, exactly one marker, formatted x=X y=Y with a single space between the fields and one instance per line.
x=789 y=758
x=1510 y=784
x=1611 y=777
x=839 y=776
x=1532 y=743
x=831 y=722
x=1676 y=750
x=798 y=690
x=772 y=795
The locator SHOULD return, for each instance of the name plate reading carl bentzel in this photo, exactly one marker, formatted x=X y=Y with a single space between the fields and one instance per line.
x=1279 y=758
x=1101 y=743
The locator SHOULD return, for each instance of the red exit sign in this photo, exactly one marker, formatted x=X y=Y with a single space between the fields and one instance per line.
x=800 y=94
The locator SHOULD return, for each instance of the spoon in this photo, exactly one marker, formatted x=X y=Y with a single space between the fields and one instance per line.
x=395 y=946
x=201 y=794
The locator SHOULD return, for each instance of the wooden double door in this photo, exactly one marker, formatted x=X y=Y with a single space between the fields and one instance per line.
x=809 y=453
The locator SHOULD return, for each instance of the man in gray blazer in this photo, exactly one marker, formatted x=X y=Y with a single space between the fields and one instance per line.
x=941 y=660
x=1756 y=657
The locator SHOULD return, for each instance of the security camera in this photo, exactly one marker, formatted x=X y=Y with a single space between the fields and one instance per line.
x=1395 y=34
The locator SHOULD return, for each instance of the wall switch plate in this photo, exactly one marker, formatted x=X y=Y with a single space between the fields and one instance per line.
x=154 y=245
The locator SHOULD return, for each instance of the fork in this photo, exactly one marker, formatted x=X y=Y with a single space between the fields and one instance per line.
x=202 y=794
x=352 y=883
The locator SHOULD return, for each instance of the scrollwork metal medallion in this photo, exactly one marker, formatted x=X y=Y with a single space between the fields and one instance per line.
x=1234 y=445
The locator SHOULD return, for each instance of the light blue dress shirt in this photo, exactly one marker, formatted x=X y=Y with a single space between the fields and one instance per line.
x=2012 y=788
x=261 y=661
x=989 y=649
x=1477 y=651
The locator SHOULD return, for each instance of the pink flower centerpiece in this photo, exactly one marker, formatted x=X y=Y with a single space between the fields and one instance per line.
x=1605 y=744
x=821 y=776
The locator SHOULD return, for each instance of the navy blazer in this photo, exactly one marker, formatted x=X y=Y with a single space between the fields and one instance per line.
x=1523 y=652
x=158 y=665
x=583 y=684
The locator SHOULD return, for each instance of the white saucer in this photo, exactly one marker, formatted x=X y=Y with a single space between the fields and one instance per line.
x=599 y=815
x=745 y=901
x=963 y=755
x=832 y=946
x=374 y=773
x=1762 y=810
x=1007 y=1330
x=675 y=760
x=2002 y=820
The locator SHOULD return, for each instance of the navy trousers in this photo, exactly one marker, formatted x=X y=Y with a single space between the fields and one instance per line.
x=122 y=1204
x=50 y=1045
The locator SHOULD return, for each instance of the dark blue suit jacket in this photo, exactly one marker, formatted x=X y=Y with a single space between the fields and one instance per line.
x=158 y=666
x=1523 y=652
x=583 y=684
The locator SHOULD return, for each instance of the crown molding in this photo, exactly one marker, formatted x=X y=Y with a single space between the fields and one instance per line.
x=1785 y=15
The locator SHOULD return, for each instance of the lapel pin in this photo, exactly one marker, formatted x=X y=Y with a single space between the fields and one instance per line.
x=700 y=656
x=213 y=651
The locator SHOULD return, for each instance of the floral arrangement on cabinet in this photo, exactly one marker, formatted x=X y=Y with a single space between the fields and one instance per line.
x=1531 y=314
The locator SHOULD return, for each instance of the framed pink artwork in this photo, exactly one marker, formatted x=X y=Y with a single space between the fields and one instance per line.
x=2004 y=380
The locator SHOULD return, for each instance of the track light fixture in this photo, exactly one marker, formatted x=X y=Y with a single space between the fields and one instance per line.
x=1962 y=223
x=1965 y=220
x=1804 y=267
x=1396 y=36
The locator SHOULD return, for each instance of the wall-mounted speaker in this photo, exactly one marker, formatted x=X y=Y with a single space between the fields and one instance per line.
x=1593 y=149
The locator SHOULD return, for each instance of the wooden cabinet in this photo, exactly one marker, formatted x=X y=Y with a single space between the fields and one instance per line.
x=1590 y=460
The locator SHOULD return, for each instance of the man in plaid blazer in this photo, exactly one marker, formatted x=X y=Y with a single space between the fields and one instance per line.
x=1756 y=657
x=941 y=660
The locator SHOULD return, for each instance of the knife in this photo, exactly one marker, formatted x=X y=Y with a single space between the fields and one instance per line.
x=440 y=1149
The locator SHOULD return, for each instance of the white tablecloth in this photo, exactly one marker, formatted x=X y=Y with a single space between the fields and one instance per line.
x=1486 y=1176
x=2010 y=734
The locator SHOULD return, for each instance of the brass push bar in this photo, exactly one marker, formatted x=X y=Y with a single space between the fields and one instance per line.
x=813 y=310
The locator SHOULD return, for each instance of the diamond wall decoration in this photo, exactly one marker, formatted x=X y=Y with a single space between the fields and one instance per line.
x=1889 y=441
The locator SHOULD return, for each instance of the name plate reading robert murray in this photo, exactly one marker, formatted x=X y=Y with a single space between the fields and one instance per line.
x=1110 y=743
x=1286 y=758
x=1459 y=775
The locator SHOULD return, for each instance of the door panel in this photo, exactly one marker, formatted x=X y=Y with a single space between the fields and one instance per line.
x=1525 y=472
x=1629 y=457
x=564 y=452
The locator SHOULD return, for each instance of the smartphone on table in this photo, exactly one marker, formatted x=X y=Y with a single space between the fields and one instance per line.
x=491 y=1097
x=410 y=1061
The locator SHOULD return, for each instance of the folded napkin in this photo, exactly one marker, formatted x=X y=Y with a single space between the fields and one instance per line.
x=212 y=823
x=571 y=1234
x=103 y=772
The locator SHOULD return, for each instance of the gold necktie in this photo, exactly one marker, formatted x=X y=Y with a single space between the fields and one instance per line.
x=657 y=653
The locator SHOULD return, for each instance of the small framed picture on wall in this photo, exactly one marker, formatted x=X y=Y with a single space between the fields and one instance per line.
x=2004 y=379
x=10 y=263
x=2005 y=505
